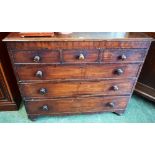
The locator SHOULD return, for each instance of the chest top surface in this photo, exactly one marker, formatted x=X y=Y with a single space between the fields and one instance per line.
x=83 y=36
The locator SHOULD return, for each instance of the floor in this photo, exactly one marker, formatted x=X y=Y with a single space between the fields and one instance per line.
x=139 y=110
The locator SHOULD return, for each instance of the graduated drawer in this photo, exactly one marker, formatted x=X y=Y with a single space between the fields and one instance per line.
x=123 y=55
x=76 y=88
x=35 y=56
x=66 y=72
x=76 y=105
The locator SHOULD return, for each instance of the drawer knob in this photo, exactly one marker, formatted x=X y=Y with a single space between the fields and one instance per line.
x=36 y=58
x=45 y=108
x=115 y=88
x=43 y=91
x=39 y=74
x=119 y=71
x=123 y=57
x=81 y=57
x=111 y=104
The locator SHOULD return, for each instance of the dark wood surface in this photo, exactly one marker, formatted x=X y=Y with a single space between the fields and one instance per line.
x=76 y=88
x=76 y=105
x=9 y=92
x=115 y=55
x=146 y=81
x=49 y=45
x=73 y=56
x=4 y=91
x=64 y=72
x=77 y=73
x=29 y=56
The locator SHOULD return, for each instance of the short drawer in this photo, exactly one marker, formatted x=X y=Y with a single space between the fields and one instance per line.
x=76 y=88
x=81 y=56
x=76 y=105
x=64 y=72
x=123 y=56
x=36 y=56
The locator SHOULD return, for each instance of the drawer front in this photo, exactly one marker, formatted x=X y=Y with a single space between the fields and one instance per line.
x=80 y=56
x=63 y=72
x=44 y=45
x=123 y=56
x=76 y=105
x=128 y=44
x=36 y=56
x=76 y=88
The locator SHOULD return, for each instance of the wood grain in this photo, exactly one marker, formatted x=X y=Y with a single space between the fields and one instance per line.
x=67 y=85
x=114 y=55
x=43 y=45
x=72 y=56
x=77 y=88
x=63 y=72
x=76 y=105
x=45 y=56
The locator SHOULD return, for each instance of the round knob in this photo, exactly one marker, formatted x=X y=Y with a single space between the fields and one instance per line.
x=45 y=107
x=111 y=104
x=43 y=91
x=119 y=71
x=39 y=74
x=81 y=57
x=115 y=88
x=123 y=57
x=36 y=58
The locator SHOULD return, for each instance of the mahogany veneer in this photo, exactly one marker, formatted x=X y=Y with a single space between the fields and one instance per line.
x=77 y=73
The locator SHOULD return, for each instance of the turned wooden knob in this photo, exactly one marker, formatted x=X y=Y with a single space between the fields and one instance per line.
x=115 y=88
x=81 y=57
x=111 y=104
x=45 y=108
x=39 y=74
x=36 y=58
x=43 y=91
x=123 y=57
x=119 y=71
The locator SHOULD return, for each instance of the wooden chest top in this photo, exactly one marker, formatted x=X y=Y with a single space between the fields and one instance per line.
x=83 y=36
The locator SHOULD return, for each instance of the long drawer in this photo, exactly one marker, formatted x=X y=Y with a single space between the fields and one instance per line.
x=76 y=88
x=76 y=105
x=96 y=71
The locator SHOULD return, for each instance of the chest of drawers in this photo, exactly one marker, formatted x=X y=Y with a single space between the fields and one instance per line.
x=77 y=73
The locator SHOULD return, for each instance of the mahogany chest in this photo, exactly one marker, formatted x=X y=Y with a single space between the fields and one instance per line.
x=77 y=73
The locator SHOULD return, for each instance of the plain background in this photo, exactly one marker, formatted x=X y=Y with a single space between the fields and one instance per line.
x=77 y=16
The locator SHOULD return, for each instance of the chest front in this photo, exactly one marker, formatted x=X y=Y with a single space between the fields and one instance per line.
x=78 y=76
